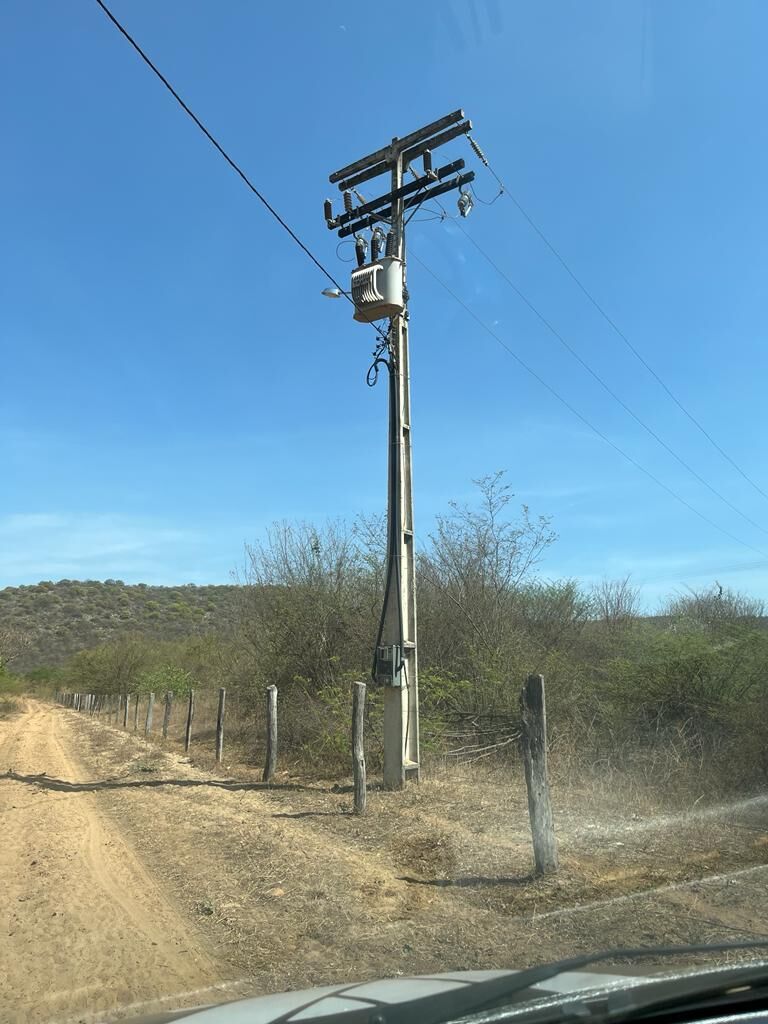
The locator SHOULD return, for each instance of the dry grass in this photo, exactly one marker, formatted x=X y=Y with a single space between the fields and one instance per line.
x=437 y=877
x=9 y=706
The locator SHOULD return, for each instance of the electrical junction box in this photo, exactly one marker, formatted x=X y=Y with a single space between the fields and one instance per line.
x=388 y=666
x=377 y=290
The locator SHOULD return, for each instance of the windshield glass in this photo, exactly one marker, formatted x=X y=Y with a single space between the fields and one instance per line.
x=382 y=551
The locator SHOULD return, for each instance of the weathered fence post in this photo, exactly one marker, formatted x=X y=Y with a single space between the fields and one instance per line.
x=126 y=708
x=534 y=749
x=136 y=714
x=167 y=713
x=358 y=748
x=190 y=716
x=150 y=712
x=220 y=724
x=271 y=760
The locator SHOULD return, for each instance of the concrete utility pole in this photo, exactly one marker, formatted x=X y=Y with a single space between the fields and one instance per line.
x=378 y=292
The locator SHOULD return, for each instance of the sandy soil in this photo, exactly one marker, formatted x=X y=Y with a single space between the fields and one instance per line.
x=137 y=879
x=84 y=925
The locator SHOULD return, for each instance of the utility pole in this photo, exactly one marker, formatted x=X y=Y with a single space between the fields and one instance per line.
x=378 y=292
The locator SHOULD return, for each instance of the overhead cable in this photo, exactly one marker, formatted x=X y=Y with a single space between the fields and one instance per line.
x=580 y=416
x=220 y=149
x=503 y=190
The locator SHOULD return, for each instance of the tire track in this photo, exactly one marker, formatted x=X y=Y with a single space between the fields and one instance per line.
x=84 y=928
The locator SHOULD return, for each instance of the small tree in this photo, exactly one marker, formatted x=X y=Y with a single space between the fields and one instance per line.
x=472 y=577
x=616 y=602
x=307 y=614
x=13 y=643
x=167 y=678
x=715 y=608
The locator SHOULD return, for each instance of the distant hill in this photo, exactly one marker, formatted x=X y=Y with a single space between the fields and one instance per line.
x=62 y=618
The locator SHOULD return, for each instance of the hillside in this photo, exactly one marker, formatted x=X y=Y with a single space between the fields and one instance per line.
x=61 y=618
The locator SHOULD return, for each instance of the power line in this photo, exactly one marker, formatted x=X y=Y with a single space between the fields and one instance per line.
x=238 y=170
x=719 y=570
x=606 y=387
x=503 y=190
x=521 y=295
x=235 y=167
x=564 y=401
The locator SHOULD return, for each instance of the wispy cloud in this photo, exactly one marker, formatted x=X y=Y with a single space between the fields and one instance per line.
x=42 y=545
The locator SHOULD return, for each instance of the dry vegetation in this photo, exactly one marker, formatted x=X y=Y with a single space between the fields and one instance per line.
x=664 y=704
x=46 y=623
x=436 y=878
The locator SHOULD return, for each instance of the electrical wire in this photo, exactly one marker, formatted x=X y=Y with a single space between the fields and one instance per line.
x=372 y=376
x=486 y=202
x=599 y=379
x=344 y=241
x=612 y=323
x=605 y=386
x=220 y=149
x=715 y=571
x=572 y=409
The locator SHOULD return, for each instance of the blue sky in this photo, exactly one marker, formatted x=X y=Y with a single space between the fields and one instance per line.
x=173 y=381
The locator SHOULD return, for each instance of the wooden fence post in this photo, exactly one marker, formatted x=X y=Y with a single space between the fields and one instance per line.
x=358 y=748
x=167 y=713
x=126 y=708
x=190 y=716
x=271 y=760
x=220 y=724
x=150 y=712
x=534 y=749
x=136 y=713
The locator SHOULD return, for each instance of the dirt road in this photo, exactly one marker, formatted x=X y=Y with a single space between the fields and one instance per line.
x=135 y=879
x=83 y=923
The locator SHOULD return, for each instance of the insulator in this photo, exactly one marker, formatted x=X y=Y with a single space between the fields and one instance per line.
x=391 y=243
x=361 y=248
x=328 y=209
x=348 y=206
x=478 y=152
x=427 y=161
x=377 y=238
x=465 y=203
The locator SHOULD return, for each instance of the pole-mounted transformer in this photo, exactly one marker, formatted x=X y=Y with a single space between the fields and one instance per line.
x=378 y=292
